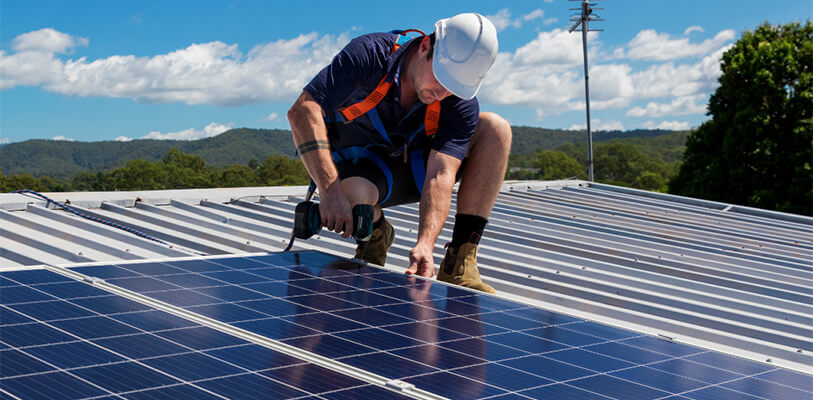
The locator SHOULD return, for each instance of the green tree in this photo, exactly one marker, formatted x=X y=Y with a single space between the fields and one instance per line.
x=553 y=165
x=622 y=164
x=756 y=148
x=237 y=176
x=27 y=181
x=282 y=170
x=85 y=181
x=139 y=175
x=4 y=186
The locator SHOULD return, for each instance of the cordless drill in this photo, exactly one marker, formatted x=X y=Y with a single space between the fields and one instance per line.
x=308 y=221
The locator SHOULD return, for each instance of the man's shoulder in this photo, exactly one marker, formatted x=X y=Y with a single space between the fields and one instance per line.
x=378 y=41
x=460 y=105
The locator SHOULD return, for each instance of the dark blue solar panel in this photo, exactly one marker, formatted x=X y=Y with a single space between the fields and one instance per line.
x=64 y=339
x=443 y=339
x=363 y=392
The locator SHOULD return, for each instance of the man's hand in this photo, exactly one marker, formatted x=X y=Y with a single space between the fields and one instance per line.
x=421 y=261
x=335 y=210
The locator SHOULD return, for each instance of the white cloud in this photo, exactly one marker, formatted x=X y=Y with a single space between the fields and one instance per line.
x=651 y=45
x=551 y=20
x=548 y=1
x=557 y=47
x=47 y=40
x=680 y=80
x=599 y=125
x=213 y=129
x=694 y=28
x=545 y=74
x=502 y=19
x=122 y=139
x=535 y=14
x=5 y=140
x=211 y=73
x=667 y=125
x=685 y=105
x=29 y=68
x=63 y=138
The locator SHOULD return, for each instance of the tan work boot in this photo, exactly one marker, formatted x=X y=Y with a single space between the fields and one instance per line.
x=459 y=267
x=375 y=250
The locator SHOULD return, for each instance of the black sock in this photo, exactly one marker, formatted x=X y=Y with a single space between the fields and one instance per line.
x=467 y=228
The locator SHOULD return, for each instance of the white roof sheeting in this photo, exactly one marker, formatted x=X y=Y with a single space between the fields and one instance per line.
x=732 y=278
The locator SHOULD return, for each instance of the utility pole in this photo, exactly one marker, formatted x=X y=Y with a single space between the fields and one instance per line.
x=586 y=15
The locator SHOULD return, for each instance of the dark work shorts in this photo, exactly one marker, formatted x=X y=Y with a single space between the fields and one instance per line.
x=404 y=190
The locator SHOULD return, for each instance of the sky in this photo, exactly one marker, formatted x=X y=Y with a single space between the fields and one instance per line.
x=123 y=70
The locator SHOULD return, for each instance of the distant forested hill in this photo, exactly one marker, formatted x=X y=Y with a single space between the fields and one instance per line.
x=529 y=140
x=63 y=159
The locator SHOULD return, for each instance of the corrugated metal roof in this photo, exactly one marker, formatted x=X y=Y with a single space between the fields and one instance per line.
x=731 y=278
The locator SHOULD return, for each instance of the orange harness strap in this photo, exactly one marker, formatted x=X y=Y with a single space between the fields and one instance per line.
x=368 y=103
x=430 y=122
x=356 y=110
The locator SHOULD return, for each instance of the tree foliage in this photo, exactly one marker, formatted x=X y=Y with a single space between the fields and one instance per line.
x=176 y=170
x=623 y=162
x=64 y=159
x=756 y=148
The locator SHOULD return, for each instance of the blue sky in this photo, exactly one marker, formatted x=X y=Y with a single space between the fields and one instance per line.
x=120 y=70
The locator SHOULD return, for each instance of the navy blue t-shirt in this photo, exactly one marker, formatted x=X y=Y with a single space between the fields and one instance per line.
x=356 y=71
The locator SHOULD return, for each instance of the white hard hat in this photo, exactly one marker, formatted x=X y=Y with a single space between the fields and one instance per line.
x=465 y=48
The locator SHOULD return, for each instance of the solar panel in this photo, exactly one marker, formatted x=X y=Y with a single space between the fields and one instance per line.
x=445 y=340
x=64 y=339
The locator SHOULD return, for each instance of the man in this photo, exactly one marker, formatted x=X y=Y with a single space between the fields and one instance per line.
x=369 y=132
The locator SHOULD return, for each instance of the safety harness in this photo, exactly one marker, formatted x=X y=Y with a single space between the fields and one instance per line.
x=367 y=106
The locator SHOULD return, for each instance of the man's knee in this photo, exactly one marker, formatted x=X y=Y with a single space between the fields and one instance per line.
x=494 y=129
x=359 y=190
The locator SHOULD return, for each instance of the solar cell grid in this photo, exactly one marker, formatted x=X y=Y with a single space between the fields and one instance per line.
x=57 y=344
x=447 y=340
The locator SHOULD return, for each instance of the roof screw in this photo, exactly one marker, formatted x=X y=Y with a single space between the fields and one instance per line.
x=799 y=351
x=80 y=253
x=769 y=360
x=248 y=242
x=126 y=250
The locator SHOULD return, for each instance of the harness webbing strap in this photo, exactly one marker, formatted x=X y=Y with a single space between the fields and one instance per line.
x=371 y=101
x=432 y=118
x=356 y=110
x=378 y=124
x=418 y=169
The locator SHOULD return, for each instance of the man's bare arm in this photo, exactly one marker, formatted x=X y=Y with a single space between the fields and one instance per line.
x=310 y=137
x=434 y=209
